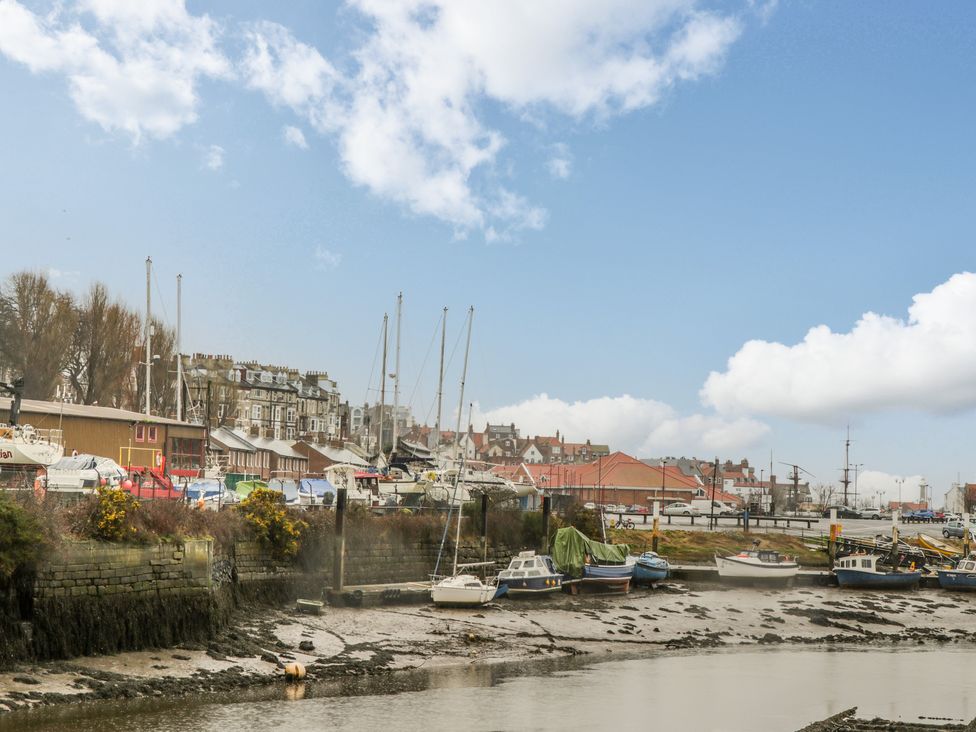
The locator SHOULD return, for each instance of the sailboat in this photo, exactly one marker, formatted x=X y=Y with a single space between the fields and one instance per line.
x=463 y=589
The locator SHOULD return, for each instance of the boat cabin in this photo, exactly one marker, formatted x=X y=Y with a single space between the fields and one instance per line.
x=528 y=564
x=966 y=565
x=863 y=562
x=763 y=555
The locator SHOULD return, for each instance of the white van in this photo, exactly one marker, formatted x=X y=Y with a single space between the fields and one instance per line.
x=706 y=507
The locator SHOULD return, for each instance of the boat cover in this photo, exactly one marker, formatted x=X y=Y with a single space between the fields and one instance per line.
x=571 y=547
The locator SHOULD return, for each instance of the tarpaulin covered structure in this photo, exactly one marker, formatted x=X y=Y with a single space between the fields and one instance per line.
x=572 y=547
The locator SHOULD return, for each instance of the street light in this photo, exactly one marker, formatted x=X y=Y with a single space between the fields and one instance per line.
x=899 y=481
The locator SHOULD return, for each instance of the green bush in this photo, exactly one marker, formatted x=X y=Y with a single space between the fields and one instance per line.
x=22 y=538
x=265 y=513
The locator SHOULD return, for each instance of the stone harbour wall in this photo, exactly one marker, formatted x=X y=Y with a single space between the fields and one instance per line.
x=94 y=598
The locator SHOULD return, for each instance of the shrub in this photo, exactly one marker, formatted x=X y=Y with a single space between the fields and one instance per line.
x=22 y=537
x=111 y=517
x=584 y=519
x=265 y=513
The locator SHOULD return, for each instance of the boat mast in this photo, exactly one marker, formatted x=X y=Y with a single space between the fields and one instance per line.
x=379 y=441
x=179 y=356
x=464 y=375
x=440 y=383
x=457 y=537
x=396 y=380
x=148 y=334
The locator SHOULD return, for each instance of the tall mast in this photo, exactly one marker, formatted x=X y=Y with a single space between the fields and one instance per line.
x=464 y=375
x=379 y=443
x=396 y=379
x=179 y=353
x=847 y=467
x=457 y=482
x=440 y=383
x=148 y=334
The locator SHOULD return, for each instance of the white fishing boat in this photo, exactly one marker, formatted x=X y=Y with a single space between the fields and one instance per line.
x=466 y=590
x=757 y=565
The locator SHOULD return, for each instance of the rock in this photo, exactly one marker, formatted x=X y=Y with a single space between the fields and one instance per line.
x=306 y=645
x=26 y=680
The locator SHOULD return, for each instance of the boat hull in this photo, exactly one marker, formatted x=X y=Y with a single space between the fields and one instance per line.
x=732 y=570
x=608 y=577
x=650 y=572
x=465 y=591
x=25 y=453
x=859 y=579
x=532 y=586
x=951 y=579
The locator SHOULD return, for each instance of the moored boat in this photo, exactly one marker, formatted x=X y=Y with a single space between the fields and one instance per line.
x=593 y=563
x=757 y=565
x=861 y=571
x=650 y=567
x=531 y=574
x=942 y=548
x=961 y=577
x=465 y=590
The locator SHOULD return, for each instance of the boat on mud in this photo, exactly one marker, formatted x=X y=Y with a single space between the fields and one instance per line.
x=961 y=577
x=530 y=574
x=757 y=565
x=592 y=563
x=650 y=567
x=862 y=571
x=466 y=590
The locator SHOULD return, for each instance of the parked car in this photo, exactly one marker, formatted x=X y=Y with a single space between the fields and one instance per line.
x=589 y=506
x=843 y=512
x=681 y=509
x=923 y=515
x=955 y=530
x=637 y=508
x=706 y=507
x=872 y=513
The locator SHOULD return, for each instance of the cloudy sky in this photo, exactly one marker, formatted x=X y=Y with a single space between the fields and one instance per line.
x=686 y=227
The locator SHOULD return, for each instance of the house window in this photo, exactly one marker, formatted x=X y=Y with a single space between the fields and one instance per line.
x=291 y=433
x=140 y=433
x=256 y=412
x=153 y=437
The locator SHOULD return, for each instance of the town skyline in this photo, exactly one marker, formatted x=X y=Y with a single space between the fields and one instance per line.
x=662 y=267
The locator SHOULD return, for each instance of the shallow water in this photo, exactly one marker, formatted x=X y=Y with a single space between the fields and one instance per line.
x=769 y=689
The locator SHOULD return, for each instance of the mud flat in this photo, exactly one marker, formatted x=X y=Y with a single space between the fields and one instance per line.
x=346 y=643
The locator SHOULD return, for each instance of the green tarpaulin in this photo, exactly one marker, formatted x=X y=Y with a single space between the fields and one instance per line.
x=243 y=488
x=571 y=547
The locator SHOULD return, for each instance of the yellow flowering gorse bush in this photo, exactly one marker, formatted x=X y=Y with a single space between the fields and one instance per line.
x=265 y=512
x=108 y=520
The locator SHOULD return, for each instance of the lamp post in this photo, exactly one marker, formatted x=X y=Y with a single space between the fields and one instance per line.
x=857 y=467
x=663 y=465
x=899 y=481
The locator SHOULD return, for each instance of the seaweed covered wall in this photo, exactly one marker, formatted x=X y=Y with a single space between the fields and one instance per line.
x=94 y=598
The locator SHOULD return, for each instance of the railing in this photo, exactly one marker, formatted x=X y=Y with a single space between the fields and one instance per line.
x=30 y=434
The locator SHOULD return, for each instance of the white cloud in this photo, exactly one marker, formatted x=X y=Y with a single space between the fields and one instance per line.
x=294 y=136
x=874 y=483
x=326 y=260
x=409 y=114
x=131 y=67
x=561 y=163
x=924 y=362
x=633 y=425
x=213 y=159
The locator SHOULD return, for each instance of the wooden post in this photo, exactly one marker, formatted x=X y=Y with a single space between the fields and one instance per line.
x=484 y=527
x=339 y=548
x=894 y=537
x=965 y=535
x=656 y=526
x=832 y=541
x=546 y=513
x=745 y=520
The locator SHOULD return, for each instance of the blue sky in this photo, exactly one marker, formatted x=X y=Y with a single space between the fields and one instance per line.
x=791 y=165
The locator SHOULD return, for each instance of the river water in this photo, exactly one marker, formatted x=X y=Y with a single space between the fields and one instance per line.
x=767 y=689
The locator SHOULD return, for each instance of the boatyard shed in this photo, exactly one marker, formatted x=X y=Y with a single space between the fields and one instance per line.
x=129 y=438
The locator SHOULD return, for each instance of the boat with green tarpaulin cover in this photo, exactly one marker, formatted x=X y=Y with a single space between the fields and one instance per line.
x=593 y=563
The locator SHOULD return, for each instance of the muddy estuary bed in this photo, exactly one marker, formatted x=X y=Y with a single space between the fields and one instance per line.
x=706 y=659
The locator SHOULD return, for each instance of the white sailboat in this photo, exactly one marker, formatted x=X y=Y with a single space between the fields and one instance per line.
x=463 y=589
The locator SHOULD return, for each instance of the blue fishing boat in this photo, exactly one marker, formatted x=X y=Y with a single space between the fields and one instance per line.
x=531 y=574
x=650 y=567
x=962 y=577
x=593 y=563
x=861 y=570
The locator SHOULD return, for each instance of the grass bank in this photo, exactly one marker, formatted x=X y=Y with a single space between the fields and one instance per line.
x=700 y=547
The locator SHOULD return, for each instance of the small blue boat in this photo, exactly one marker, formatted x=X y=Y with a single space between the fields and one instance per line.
x=530 y=574
x=963 y=577
x=609 y=576
x=861 y=571
x=650 y=567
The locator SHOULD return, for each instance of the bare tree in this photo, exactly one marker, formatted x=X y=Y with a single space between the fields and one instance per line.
x=163 y=394
x=823 y=494
x=102 y=354
x=36 y=327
